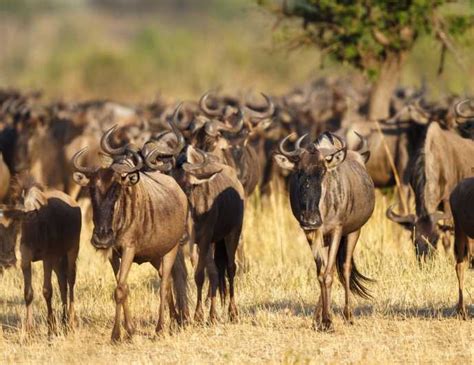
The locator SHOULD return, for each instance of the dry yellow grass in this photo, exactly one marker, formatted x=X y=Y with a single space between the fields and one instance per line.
x=411 y=320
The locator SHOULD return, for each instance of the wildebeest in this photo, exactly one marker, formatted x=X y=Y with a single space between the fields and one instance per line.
x=49 y=225
x=138 y=215
x=332 y=196
x=462 y=208
x=237 y=149
x=217 y=206
x=443 y=161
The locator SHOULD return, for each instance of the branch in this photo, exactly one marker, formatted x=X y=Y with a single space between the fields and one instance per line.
x=446 y=41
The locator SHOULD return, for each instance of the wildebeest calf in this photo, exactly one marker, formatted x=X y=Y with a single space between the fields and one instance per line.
x=332 y=197
x=49 y=225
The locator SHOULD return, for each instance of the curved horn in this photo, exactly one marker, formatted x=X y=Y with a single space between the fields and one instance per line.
x=459 y=113
x=281 y=147
x=188 y=167
x=299 y=141
x=105 y=145
x=341 y=141
x=176 y=130
x=268 y=113
x=77 y=166
x=231 y=129
x=410 y=218
x=205 y=108
x=125 y=168
x=152 y=161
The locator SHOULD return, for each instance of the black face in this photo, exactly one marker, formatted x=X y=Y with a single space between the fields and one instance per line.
x=104 y=192
x=8 y=235
x=466 y=129
x=306 y=191
x=426 y=236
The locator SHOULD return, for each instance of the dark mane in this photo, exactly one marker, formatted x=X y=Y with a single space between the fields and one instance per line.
x=20 y=184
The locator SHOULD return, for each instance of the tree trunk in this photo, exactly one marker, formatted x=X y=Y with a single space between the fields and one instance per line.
x=383 y=88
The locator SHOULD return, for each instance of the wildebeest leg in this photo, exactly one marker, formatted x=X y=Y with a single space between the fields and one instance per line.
x=60 y=268
x=320 y=255
x=231 y=244
x=460 y=251
x=180 y=283
x=166 y=267
x=121 y=294
x=326 y=278
x=446 y=235
x=220 y=259
x=352 y=239
x=157 y=264
x=199 y=279
x=28 y=293
x=48 y=294
x=213 y=282
x=71 y=279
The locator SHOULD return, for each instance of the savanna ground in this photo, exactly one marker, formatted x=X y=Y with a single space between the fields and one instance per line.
x=75 y=52
x=411 y=318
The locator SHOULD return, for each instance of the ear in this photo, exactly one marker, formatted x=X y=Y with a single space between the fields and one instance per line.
x=365 y=156
x=284 y=162
x=130 y=179
x=201 y=177
x=335 y=159
x=80 y=178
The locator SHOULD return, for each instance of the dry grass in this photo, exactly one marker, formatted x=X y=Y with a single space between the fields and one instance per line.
x=411 y=320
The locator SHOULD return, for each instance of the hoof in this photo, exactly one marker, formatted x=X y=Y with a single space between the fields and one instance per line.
x=199 y=316
x=462 y=314
x=348 y=318
x=324 y=326
x=233 y=315
x=116 y=335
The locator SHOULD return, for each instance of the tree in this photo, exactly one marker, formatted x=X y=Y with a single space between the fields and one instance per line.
x=374 y=36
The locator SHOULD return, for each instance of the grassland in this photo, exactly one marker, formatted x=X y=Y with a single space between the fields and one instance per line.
x=410 y=320
x=82 y=53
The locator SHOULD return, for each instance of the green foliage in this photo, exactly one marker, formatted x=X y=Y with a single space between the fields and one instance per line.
x=364 y=33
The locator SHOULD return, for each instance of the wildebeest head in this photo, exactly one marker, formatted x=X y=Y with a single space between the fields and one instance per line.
x=106 y=184
x=425 y=230
x=465 y=119
x=310 y=166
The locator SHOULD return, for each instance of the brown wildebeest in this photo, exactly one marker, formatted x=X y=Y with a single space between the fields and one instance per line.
x=332 y=196
x=462 y=208
x=139 y=216
x=217 y=206
x=216 y=199
x=443 y=161
x=49 y=225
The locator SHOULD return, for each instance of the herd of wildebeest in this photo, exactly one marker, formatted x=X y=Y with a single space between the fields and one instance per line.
x=163 y=181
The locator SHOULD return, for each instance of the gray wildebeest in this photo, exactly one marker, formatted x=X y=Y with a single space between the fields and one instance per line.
x=442 y=162
x=139 y=216
x=42 y=225
x=332 y=196
x=462 y=208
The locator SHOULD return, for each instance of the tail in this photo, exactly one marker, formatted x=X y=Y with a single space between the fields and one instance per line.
x=180 y=285
x=357 y=281
x=220 y=258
